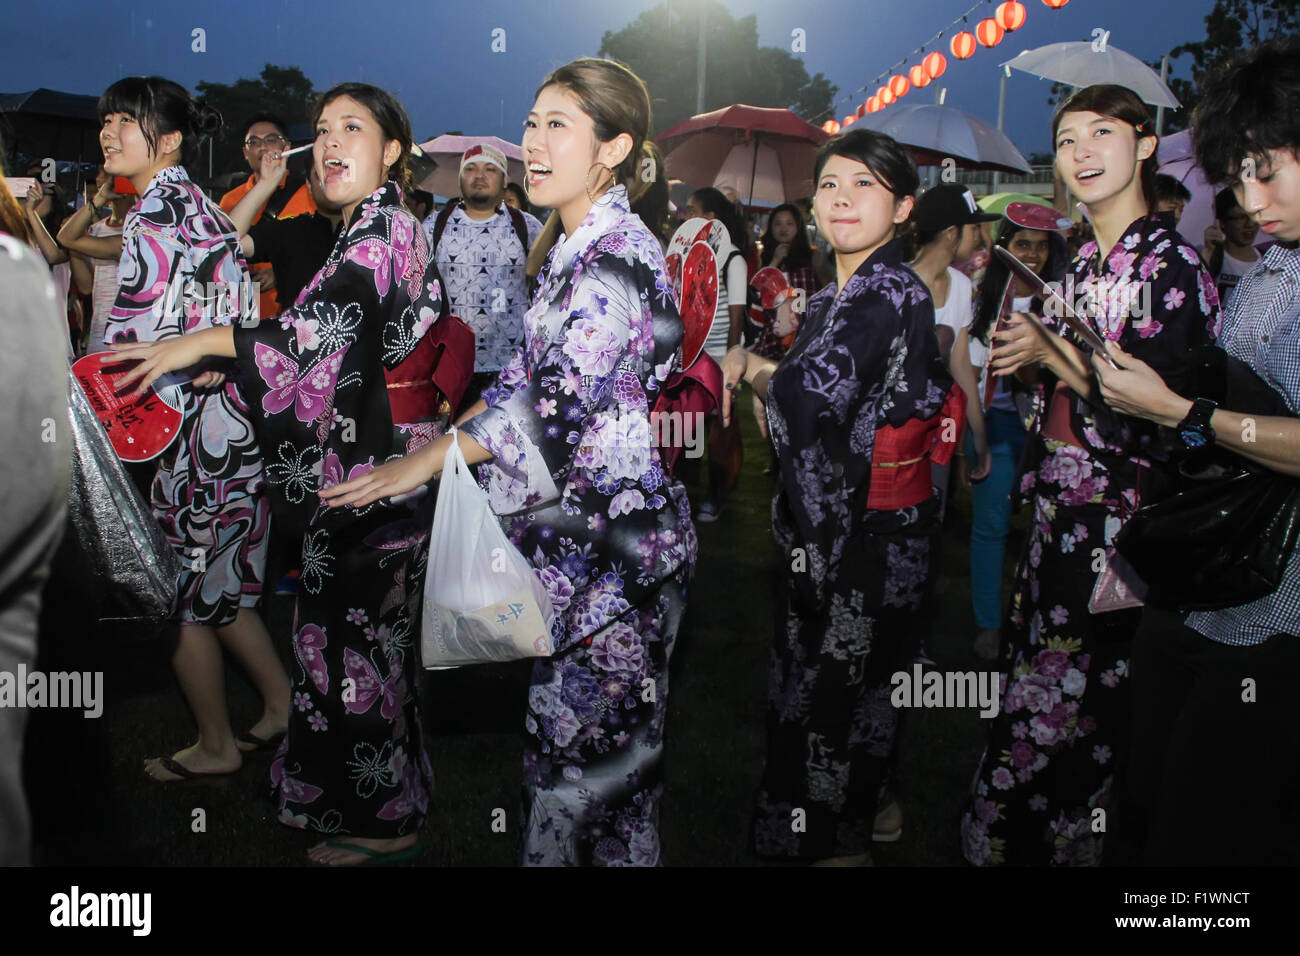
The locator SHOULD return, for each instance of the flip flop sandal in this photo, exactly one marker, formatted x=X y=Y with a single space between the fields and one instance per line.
x=185 y=773
x=372 y=857
x=272 y=743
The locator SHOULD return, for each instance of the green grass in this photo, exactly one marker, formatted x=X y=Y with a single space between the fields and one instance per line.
x=717 y=696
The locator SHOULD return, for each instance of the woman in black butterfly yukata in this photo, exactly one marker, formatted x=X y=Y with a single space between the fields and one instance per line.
x=855 y=413
x=333 y=405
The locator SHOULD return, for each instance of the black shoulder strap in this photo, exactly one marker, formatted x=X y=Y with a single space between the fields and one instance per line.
x=439 y=224
x=280 y=198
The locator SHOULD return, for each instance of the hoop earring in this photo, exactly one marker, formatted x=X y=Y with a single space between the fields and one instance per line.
x=594 y=200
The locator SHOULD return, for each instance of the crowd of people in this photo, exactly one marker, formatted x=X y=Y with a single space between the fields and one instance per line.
x=333 y=334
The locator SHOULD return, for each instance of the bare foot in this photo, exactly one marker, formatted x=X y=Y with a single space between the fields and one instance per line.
x=889 y=824
x=326 y=855
x=268 y=728
x=195 y=760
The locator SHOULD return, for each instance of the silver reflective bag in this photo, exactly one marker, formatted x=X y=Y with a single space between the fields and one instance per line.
x=133 y=566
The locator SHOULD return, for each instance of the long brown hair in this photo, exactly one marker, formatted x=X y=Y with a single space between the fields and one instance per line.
x=12 y=218
x=1122 y=104
x=618 y=102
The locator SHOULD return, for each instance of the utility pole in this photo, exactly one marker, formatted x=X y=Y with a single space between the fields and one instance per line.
x=703 y=47
x=1002 y=113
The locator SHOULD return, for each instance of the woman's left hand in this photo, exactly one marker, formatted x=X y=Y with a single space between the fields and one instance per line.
x=1021 y=342
x=1136 y=389
x=391 y=479
x=155 y=359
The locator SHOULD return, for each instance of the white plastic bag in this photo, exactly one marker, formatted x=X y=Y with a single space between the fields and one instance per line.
x=482 y=601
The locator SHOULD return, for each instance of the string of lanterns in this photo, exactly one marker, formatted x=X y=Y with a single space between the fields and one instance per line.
x=989 y=32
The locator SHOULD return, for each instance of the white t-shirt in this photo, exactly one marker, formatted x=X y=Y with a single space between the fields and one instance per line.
x=979 y=357
x=956 y=309
x=734 y=288
x=1230 y=274
x=104 y=291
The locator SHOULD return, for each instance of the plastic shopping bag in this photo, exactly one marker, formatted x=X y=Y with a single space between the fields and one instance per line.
x=482 y=601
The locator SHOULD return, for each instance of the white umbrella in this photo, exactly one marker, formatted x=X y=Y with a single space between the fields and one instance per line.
x=936 y=133
x=1084 y=64
x=446 y=151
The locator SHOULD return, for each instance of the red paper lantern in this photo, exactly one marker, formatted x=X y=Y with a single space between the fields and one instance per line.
x=935 y=64
x=962 y=45
x=873 y=104
x=1010 y=15
x=989 y=33
x=898 y=85
x=850 y=119
x=918 y=76
x=880 y=96
x=1056 y=4
x=888 y=96
x=831 y=127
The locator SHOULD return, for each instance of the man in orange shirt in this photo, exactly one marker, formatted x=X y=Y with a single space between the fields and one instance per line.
x=262 y=132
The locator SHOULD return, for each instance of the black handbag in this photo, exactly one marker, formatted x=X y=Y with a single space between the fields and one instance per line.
x=1226 y=536
x=1221 y=543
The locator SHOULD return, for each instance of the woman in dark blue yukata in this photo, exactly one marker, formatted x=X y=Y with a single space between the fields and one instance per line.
x=854 y=410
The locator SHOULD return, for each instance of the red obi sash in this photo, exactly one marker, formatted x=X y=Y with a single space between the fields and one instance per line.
x=1058 y=427
x=432 y=380
x=900 y=465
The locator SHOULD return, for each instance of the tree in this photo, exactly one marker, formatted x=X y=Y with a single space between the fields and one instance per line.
x=1230 y=27
x=661 y=46
x=284 y=90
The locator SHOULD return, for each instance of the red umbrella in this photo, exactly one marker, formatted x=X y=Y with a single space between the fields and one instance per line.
x=764 y=153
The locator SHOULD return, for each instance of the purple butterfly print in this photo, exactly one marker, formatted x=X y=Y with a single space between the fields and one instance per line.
x=369 y=687
x=375 y=255
x=308 y=394
x=307 y=646
x=290 y=788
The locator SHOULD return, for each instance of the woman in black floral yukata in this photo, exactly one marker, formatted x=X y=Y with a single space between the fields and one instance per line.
x=338 y=385
x=1045 y=782
x=853 y=409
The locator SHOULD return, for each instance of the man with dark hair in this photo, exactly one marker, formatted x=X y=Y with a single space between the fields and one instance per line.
x=1214 y=769
x=420 y=202
x=1230 y=243
x=1171 y=197
x=265 y=132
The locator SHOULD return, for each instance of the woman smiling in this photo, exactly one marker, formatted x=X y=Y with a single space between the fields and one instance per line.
x=853 y=409
x=577 y=479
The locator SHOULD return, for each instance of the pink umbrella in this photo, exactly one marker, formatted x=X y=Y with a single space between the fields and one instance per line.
x=1177 y=160
x=446 y=151
x=764 y=154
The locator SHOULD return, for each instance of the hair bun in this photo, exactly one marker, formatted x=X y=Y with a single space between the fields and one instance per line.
x=207 y=119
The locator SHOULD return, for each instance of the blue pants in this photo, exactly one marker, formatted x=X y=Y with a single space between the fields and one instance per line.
x=991 y=514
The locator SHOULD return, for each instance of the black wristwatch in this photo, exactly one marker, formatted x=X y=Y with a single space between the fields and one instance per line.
x=1194 y=431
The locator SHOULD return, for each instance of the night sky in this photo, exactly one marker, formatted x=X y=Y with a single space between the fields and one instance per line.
x=437 y=57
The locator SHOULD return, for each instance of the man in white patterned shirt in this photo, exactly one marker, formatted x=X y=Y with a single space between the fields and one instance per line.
x=481 y=247
x=1214 y=772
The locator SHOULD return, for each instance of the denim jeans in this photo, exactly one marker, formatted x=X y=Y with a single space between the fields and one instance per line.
x=991 y=515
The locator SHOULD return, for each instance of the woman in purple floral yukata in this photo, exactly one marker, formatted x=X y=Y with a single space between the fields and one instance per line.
x=1052 y=750
x=578 y=481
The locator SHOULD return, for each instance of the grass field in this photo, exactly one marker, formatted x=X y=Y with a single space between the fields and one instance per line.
x=92 y=804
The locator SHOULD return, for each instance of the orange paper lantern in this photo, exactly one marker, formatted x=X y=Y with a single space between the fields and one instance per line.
x=962 y=45
x=888 y=96
x=1010 y=15
x=898 y=85
x=1056 y=4
x=935 y=64
x=873 y=104
x=918 y=76
x=850 y=120
x=988 y=32
x=831 y=127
